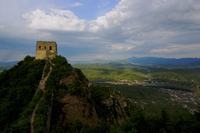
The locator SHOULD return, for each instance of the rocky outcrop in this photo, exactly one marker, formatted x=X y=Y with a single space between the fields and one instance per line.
x=76 y=108
x=75 y=77
x=82 y=109
x=79 y=103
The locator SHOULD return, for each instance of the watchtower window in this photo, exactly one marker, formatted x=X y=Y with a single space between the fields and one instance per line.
x=45 y=47
x=50 y=48
x=39 y=47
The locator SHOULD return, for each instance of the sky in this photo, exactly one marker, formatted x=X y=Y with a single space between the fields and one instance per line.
x=88 y=30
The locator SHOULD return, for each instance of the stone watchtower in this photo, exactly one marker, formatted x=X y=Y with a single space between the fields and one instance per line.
x=46 y=50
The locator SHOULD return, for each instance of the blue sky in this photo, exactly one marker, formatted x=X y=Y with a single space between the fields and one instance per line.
x=101 y=29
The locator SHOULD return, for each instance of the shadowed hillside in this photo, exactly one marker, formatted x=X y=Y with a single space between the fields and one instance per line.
x=52 y=96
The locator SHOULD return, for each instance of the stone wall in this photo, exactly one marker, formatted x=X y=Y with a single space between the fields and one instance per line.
x=46 y=50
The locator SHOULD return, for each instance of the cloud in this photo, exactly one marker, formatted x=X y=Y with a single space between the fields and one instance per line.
x=66 y=20
x=132 y=17
x=122 y=47
x=146 y=24
x=76 y=4
x=55 y=20
x=2 y=26
x=176 y=48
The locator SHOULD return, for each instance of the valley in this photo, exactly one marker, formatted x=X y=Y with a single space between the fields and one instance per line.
x=156 y=88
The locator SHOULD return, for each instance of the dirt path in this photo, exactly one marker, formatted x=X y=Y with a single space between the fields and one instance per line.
x=43 y=80
x=50 y=112
x=33 y=117
x=42 y=88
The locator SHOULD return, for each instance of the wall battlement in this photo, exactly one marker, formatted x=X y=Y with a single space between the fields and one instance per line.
x=46 y=50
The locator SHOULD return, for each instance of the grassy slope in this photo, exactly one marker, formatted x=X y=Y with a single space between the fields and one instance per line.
x=129 y=72
x=152 y=98
x=112 y=72
x=106 y=72
x=185 y=75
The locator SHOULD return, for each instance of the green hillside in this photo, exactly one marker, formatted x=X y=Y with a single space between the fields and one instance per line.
x=110 y=72
x=53 y=97
x=185 y=77
x=17 y=87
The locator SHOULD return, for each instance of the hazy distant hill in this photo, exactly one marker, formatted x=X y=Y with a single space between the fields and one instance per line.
x=6 y=65
x=165 y=62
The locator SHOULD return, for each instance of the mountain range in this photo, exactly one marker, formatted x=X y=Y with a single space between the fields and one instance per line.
x=140 y=61
x=6 y=65
x=165 y=62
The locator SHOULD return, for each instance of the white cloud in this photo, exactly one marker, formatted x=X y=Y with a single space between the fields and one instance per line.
x=76 y=4
x=57 y=20
x=66 y=20
x=129 y=16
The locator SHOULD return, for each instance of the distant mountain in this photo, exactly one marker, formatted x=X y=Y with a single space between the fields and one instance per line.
x=165 y=62
x=7 y=65
x=97 y=61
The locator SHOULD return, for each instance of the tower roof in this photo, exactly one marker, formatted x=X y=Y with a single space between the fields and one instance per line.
x=46 y=42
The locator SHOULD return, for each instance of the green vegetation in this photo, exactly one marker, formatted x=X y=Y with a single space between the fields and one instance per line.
x=17 y=87
x=152 y=99
x=130 y=72
x=178 y=121
x=62 y=70
x=150 y=110
x=182 y=79
x=22 y=124
x=185 y=75
x=50 y=100
x=153 y=111
x=108 y=72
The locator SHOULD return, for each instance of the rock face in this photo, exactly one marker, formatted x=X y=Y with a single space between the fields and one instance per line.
x=75 y=76
x=117 y=106
x=87 y=104
x=84 y=106
x=78 y=108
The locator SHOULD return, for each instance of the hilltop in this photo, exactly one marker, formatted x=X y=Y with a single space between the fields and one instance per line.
x=52 y=96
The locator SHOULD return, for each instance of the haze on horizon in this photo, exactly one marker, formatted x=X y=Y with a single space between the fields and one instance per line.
x=101 y=29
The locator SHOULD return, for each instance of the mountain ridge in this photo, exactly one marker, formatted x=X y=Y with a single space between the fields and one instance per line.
x=58 y=97
x=165 y=62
